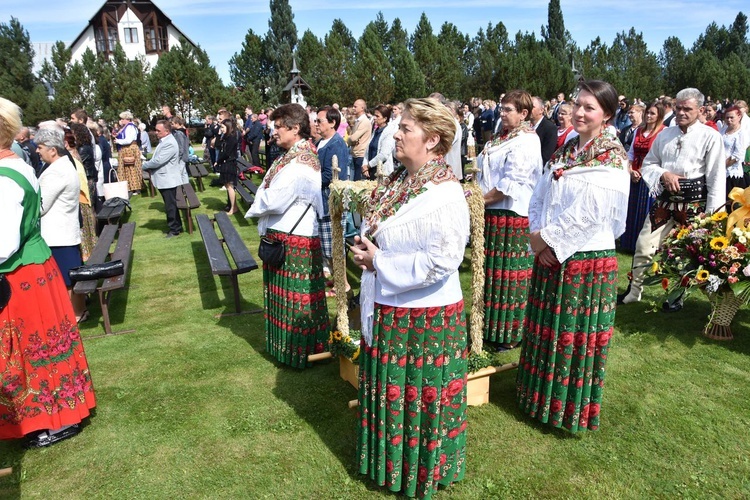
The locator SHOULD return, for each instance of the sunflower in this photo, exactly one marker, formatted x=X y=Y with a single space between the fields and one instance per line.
x=655 y=268
x=719 y=216
x=720 y=242
x=702 y=275
x=355 y=355
x=682 y=233
x=336 y=335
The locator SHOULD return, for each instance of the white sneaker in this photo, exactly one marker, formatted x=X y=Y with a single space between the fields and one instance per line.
x=223 y=188
x=633 y=296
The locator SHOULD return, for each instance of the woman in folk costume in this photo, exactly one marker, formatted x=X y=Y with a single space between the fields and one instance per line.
x=576 y=212
x=45 y=385
x=509 y=167
x=640 y=200
x=128 y=153
x=412 y=389
x=296 y=311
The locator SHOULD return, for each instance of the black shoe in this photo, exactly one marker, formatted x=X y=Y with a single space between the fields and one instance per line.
x=172 y=235
x=674 y=307
x=48 y=438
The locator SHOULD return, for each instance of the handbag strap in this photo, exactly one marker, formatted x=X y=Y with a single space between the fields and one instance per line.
x=300 y=218
x=111 y=171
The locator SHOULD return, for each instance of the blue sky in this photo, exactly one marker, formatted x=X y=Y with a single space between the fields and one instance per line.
x=220 y=27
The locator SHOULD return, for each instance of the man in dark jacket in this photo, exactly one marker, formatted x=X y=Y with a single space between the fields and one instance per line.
x=210 y=131
x=253 y=136
x=545 y=129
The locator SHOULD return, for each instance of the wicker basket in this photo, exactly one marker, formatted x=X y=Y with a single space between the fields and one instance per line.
x=724 y=305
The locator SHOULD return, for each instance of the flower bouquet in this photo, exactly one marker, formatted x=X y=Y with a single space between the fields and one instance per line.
x=712 y=256
x=346 y=345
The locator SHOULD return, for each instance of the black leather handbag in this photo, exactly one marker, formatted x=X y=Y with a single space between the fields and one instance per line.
x=273 y=252
x=4 y=292
x=97 y=271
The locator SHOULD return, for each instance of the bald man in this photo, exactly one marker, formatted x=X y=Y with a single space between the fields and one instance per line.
x=359 y=139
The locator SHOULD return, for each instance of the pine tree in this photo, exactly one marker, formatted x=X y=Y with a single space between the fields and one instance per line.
x=372 y=68
x=336 y=78
x=245 y=65
x=555 y=36
x=672 y=60
x=424 y=46
x=632 y=66
x=311 y=61
x=184 y=79
x=408 y=80
x=450 y=78
x=17 y=80
x=278 y=47
x=487 y=61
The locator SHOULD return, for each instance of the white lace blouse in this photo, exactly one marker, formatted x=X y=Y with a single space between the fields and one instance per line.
x=513 y=167
x=584 y=210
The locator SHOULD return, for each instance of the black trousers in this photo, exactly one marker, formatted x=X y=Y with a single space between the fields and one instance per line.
x=254 y=149
x=174 y=222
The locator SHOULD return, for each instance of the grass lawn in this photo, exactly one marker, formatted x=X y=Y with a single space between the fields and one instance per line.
x=191 y=406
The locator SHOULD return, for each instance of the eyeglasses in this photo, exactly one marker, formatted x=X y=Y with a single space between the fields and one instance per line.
x=316 y=121
x=507 y=109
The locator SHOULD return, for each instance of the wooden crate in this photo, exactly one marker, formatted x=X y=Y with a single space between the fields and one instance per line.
x=349 y=371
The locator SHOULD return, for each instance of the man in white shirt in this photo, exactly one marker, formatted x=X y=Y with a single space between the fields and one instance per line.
x=690 y=150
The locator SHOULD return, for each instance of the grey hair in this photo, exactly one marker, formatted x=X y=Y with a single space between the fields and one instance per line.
x=126 y=115
x=51 y=137
x=690 y=93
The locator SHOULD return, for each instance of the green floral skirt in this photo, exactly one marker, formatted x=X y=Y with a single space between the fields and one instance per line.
x=412 y=395
x=569 y=325
x=295 y=300
x=507 y=272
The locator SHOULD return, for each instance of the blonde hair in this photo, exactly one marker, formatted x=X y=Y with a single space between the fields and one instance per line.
x=126 y=115
x=435 y=119
x=10 y=122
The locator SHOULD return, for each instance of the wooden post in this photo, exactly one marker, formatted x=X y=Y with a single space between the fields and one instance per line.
x=6 y=472
x=319 y=356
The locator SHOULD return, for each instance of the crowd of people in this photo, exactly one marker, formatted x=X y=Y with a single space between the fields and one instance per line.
x=564 y=182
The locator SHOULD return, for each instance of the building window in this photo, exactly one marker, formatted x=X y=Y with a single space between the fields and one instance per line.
x=106 y=44
x=131 y=35
x=156 y=39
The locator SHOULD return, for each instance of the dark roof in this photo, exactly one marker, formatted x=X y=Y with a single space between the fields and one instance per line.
x=297 y=81
x=134 y=3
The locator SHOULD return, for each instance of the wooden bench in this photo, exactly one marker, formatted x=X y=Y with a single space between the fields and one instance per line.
x=149 y=183
x=187 y=201
x=110 y=214
x=100 y=254
x=246 y=190
x=217 y=256
x=198 y=172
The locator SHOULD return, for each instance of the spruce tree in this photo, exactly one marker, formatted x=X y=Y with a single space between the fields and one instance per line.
x=554 y=34
x=408 y=79
x=311 y=61
x=17 y=80
x=245 y=65
x=424 y=46
x=336 y=82
x=372 y=68
x=278 y=47
x=450 y=78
